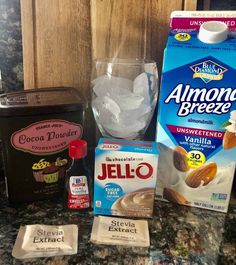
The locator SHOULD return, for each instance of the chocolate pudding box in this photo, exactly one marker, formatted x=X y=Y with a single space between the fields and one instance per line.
x=125 y=177
x=35 y=128
x=196 y=131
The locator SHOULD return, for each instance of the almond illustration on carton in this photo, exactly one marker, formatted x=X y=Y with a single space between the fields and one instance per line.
x=205 y=173
x=174 y=196
x=229 y=140
x=180 y=159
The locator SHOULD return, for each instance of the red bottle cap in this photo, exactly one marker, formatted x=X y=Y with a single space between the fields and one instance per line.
x=77 y=149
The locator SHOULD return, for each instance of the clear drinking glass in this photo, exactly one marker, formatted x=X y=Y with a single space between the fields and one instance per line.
x=124 y=95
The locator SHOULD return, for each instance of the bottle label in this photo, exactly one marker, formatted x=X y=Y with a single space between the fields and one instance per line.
x=78 y=194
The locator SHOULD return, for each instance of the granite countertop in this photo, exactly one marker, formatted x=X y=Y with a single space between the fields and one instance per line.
x=179 y=235
x=11 y=58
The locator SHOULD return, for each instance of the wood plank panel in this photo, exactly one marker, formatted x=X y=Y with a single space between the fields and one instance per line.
x=131 y=28
x=59 y=32
x=57 y=35
x=27 y=24
x=158 y=17
x=190 y=5
x=118 y=28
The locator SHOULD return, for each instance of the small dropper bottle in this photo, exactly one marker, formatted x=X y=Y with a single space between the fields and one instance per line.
x=77 y=189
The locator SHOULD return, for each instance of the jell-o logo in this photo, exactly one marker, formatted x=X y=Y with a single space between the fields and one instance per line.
x=112 y=171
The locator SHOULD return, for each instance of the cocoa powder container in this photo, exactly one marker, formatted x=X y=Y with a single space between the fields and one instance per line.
x=36 y=127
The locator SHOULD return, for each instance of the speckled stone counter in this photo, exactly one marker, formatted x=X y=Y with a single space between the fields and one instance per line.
x=179 y=235
x=11 y=59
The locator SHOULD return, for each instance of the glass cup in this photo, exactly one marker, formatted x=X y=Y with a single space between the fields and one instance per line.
x=124 y=96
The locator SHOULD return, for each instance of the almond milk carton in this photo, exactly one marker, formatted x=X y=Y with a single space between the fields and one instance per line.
x=196 y=130
x=125 y=177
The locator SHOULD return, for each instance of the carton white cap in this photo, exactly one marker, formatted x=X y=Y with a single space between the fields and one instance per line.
x=213 y=32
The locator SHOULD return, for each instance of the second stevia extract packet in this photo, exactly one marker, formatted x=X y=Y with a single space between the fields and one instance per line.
x=120 y=231
x=45 y=241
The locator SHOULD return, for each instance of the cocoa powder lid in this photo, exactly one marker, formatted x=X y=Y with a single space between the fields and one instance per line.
x=41 y=101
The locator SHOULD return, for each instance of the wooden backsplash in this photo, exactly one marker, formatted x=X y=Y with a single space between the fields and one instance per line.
x=61 y=37
x=56 y=43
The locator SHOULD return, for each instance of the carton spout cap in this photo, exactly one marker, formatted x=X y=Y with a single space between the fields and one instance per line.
x=213 y=32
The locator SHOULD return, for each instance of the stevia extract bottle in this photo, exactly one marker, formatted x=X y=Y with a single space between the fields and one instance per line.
x=77 y=187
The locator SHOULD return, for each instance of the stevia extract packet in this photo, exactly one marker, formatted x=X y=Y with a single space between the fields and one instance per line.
x=34 y=241
x=120 y=231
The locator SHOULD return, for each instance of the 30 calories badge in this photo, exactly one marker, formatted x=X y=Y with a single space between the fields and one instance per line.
x=182 y=36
